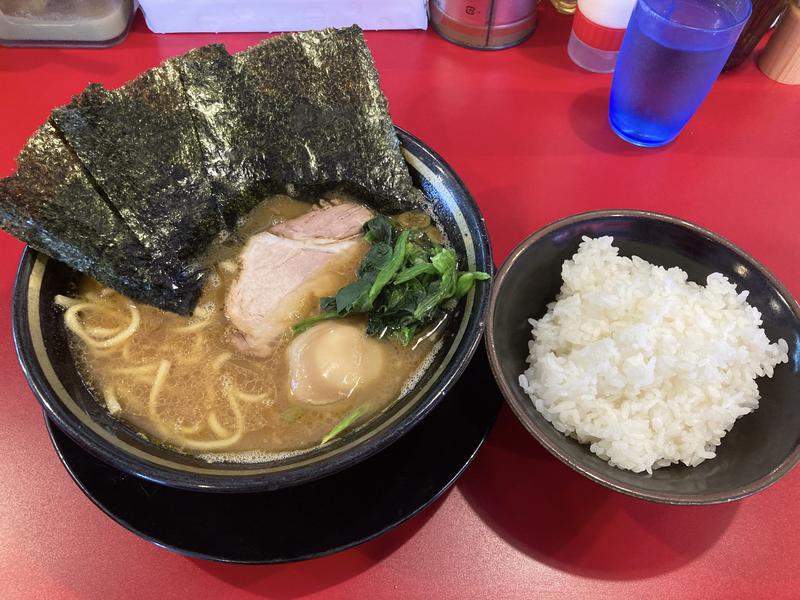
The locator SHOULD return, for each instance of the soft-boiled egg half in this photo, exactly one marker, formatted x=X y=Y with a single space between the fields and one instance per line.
x=330 y=361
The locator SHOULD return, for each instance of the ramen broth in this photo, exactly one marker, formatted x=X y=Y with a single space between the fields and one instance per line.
x=181 y=380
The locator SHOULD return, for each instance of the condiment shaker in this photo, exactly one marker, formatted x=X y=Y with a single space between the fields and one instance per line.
x=597 y=31
x=484 y=24
x=82 y=23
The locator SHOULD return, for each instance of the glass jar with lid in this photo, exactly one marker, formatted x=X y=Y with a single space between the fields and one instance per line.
x=65 y=22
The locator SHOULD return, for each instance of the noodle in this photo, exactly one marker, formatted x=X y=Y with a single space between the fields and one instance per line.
x=211 y=394
x=196 y=323
x=143 y=369
x=101 y=332
x=223 y=443
x=244 y=396
x=216 y=426
x=130 y=403
x=217 y=363
x=103 y=352
x=192 y=327
x=66 y=301
x=158 y=383
x=190 y=430
x=111 y=401
x=71 y=321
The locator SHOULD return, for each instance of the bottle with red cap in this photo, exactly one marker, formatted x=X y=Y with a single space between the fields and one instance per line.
x=597 y=30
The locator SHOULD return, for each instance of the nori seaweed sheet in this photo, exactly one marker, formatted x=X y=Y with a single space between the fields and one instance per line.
x=311 y=112
x=213 y=97
x=51 y=204
x=139 y=144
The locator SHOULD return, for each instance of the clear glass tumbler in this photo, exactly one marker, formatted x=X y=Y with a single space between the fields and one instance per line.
x=672 y=53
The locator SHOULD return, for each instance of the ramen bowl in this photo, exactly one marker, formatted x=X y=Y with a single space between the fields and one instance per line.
x=44 y=353
x=762 y=446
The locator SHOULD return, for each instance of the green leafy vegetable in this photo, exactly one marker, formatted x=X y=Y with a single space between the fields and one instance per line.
x=344 y=423
x=354 y=297
x=307 y=323
x=444 y=261
x=466 y=281
x=414 y=272
x=405 y=283
x=379 y=229
x=390 y=269
x=327 y=304
x=376 y=259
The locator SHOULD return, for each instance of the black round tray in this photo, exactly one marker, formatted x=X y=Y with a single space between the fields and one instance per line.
x=308 y=520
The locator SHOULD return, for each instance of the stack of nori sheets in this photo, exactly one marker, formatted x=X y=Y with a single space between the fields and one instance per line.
x=131 y=185
x=53 y=204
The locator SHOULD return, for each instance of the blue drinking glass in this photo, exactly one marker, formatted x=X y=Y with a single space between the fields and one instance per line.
x=672 y=53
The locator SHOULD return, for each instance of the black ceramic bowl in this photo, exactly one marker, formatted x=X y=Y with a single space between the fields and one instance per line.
x=762 y=446
x=41 y=342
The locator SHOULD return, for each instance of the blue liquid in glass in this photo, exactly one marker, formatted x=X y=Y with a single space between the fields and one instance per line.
x=665 y=70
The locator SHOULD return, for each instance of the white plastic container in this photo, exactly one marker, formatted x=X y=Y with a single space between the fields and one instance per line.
x=173 y=16
x=597 y=31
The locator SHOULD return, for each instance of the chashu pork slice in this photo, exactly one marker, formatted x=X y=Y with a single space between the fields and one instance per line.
x=335 y=222
x=281 y=269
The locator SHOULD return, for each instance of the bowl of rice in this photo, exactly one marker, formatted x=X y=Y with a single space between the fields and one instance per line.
x=651 y=355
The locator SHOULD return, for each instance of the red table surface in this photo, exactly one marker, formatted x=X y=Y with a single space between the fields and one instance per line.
x=527 y=131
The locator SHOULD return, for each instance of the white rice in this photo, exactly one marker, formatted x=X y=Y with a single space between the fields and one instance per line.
x=646 y=367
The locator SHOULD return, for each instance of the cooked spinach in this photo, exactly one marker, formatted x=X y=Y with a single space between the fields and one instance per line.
x=405 y=283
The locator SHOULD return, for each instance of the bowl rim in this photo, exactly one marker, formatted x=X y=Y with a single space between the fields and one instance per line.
x=462 y=351
x=510 y=393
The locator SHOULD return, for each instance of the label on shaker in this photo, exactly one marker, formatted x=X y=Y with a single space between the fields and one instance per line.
x=468 y=12
x=594 y=35
x=481 y=12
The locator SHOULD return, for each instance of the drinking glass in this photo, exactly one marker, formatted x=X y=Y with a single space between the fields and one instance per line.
x=672 y=53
